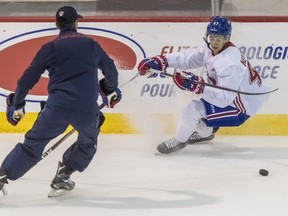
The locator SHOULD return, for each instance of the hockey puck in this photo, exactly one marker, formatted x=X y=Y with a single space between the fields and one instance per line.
x=263 y=172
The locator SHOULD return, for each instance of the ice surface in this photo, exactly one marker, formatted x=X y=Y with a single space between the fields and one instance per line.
x=127 y=178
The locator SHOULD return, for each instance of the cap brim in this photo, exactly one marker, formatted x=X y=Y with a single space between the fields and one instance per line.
x=79 y=16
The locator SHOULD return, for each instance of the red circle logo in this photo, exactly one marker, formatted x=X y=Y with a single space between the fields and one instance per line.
x=17 y=57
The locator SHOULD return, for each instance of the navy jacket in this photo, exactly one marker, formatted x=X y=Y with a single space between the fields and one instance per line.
x=72 y=60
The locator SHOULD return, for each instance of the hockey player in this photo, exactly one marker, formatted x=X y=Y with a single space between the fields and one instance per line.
x=72 y=60
x=226 y=66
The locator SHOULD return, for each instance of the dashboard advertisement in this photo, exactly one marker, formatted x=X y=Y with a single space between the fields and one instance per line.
x=129 y=43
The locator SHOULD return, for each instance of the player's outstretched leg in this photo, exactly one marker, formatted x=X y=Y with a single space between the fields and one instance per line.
x=170 y=146
x=61 y=181
x=195 y=137
x=3 y=181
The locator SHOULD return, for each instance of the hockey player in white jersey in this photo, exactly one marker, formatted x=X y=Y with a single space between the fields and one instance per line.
x=226 y=66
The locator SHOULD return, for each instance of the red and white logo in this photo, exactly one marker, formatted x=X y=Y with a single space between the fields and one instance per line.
x=16 y=57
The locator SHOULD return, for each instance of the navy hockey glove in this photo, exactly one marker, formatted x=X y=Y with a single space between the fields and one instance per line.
x=110 y=99
x=14 y=113
x=186 y=81
x=158 y=62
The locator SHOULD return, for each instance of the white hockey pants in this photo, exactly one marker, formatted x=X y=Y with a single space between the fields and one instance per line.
x=190 y=121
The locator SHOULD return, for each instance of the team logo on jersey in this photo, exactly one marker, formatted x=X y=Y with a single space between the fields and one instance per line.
x=17 y=52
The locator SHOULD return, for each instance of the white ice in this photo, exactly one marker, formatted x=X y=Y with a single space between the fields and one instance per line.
x=126 y=178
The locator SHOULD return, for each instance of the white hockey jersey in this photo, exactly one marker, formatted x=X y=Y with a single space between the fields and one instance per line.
x=229 y=68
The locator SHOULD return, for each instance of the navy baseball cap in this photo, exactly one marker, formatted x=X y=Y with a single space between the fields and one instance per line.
x=67 y=13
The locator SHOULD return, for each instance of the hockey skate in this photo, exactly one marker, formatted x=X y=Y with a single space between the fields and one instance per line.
x=3 y=181
x=61 y=182
x=170 y=146
x=195 y=137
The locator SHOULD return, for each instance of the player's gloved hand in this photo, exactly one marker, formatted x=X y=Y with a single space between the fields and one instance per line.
x=186 y=81
x=14 y=112
x=158 y=62
x=110 y=99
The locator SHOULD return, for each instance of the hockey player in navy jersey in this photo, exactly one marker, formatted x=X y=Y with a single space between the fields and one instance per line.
x=72 y=60
x=226 y=66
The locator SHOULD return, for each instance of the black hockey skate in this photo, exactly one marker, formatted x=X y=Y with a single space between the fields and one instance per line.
x=170 y=146
x=195 y=137
x=3 y=181
x=61 y=182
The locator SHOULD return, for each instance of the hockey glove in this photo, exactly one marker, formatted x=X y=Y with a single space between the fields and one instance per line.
x=110 y=99
x=186 y=81
x=158 y=62
x=14 y=113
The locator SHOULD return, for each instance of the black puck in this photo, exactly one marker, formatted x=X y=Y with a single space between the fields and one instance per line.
x=263 y=172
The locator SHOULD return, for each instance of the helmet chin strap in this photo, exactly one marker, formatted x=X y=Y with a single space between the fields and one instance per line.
x=228 y=38
x=208 y=44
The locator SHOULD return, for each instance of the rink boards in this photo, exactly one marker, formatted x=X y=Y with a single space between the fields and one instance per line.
x=156 y=100
x=274 y=125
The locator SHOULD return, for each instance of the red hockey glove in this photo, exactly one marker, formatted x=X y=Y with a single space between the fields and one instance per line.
x=186 y=81
x=158 y=62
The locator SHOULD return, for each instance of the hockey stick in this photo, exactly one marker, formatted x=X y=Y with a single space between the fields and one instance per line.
x=57 y=143
x=216 y=86
x=54 y=146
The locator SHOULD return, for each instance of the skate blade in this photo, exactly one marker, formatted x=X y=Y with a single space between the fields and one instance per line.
x=56 y=193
